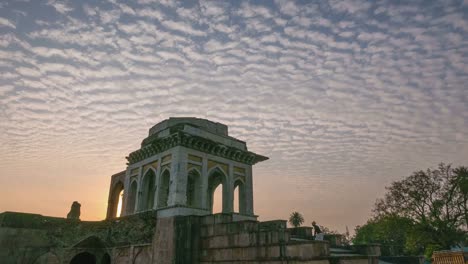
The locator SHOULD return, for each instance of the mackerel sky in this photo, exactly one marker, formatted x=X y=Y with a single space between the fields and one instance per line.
x=343 y=96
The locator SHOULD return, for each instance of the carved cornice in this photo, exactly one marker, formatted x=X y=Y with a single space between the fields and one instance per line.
x=187 y=140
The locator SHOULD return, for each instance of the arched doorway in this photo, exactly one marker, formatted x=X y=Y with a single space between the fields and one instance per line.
x=216 y=178
x=193 y=191
x=148 y=190
x=116 y=200
x=132 y=197
x=106 y=259
x=164 y=185
x=83 y=258
x=239 y=196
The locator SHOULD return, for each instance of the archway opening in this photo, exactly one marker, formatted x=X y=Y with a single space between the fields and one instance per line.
x=106 y=259
x=148 y=190
x=239 y=197
x=216 y=198
x=193 y=189
x=116 y=200
x=132 y=198
x=119 y=204
x=236 y=199
x=84 y=258
x=164 y=186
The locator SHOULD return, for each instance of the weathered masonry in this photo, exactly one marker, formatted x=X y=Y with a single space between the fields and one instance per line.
x=178 y=168
x=165 y=214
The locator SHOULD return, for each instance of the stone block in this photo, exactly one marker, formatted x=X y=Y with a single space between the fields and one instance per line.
x=308 y=250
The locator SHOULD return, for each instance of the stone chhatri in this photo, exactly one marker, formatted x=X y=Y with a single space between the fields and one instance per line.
x=166 y=214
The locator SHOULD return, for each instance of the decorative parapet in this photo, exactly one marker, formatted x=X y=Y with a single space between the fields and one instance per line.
x=180 y=138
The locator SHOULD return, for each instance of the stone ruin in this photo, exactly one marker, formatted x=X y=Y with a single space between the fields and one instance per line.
x=75 y=211
x=166 y=214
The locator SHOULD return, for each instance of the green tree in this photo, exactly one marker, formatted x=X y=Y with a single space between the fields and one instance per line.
x=436 y=203
x=394 y=233
x=296 y=219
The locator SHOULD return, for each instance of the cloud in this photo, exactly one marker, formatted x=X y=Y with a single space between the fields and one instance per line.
x=60 y=6
x=182 y=27
x=6 y=23
x=339 y=96
x=287 y=7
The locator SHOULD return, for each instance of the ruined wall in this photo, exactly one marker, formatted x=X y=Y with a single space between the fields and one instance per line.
x=142 y=238
x=33 y=238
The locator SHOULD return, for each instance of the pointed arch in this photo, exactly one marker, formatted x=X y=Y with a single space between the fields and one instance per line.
x=132 y=195
x=148 y=188
x=216 y=177
x=239 y=188
x=83 y=258
x=164 y=186
x=194 y=188
x=116 y=199
x=106 y=259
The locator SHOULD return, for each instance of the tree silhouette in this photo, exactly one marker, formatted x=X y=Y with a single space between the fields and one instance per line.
x=296 y=219
x=435 y=201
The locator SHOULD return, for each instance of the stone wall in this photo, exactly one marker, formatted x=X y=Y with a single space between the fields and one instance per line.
x=144 y=238
x=223 y=240
x=33 y=238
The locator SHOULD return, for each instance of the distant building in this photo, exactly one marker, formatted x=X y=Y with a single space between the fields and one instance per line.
x=167 y=211
x=450 y=257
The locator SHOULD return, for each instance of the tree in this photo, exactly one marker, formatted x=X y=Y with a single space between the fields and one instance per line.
x=436 y=203
x=394 y=233
x=296 y=219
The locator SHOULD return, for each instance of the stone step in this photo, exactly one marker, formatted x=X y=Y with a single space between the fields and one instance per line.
x=228 y=228
x=298 y=251
x=217 y=227
x=241 y=253
x=244 y=239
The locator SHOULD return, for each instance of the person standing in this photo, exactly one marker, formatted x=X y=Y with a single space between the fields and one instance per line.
x=317 y=232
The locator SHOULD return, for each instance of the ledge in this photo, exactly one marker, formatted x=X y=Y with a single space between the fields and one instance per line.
x=187 y=140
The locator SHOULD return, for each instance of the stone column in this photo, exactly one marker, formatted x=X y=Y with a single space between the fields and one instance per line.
x=248 y=191
x=204 y=184
x=126 y=193
x=178 y=177
x=139 y=191
x=157 y=178
x=228 y=191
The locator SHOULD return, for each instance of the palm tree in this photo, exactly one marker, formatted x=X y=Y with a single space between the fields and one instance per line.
x=296 y=219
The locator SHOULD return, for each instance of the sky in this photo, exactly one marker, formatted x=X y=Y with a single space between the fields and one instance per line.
x=344 y=97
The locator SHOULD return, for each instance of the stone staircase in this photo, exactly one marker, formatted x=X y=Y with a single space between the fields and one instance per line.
x=223 y=240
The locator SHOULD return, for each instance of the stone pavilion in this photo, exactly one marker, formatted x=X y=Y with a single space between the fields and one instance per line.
x=166 y=212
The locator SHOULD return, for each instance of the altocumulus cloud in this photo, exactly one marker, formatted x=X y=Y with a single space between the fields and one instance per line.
x=343 y=96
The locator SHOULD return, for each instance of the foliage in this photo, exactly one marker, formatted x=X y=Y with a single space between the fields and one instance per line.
x=296 y=219
x=423 y=212
x=393 y=232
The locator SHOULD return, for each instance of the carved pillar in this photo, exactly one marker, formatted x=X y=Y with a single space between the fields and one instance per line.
x=177 y=186
x=158 y=177
x=179 y=177
x=139 y=189
x=126 y=193
x=248 y=191
x=204 y=182
x=228 y=191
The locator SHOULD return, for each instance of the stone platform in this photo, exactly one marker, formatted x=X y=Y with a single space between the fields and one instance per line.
x=144 y=238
